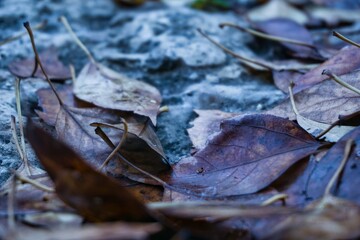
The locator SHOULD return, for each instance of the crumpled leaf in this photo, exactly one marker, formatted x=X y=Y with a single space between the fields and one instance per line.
x=318 y=129
x=106 y=88
x=276 y=9
x=93 y=195
x=345 y=61
x=206 y=124
x=248 y=154
x=142 y=147
x=53 y=67
x=324 y=102
x=287 y=28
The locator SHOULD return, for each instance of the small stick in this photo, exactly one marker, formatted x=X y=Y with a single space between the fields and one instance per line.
x=34 y=183
x=278 y=197
x=345 y=39
x=327 y=129
x=19 y=35
x=123 y=139
x=76 y=39
x=164 y=109
x=107 y=140
x=21 y=126
x=292 y=100
x=73 y=73
x=15 y=137
x=241 y=58
x=339 y=81
x=31 y=35
x=334 y=179
x=268 y=36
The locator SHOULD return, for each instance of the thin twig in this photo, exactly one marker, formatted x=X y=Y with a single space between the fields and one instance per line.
x=268 y=36
x=334 y=179
x=76 y=39
x=35 y=183
x=19 y=35
x=292 y=100
x=339 y=81
x=21 y=126
x=325 y=131
x=345 y=39
x=121 y=143
x=31 y=35
x=15 y=136
x=73 y=73
x=241 y=58
x=164 y=109
x=107 y=140
x=278 y=197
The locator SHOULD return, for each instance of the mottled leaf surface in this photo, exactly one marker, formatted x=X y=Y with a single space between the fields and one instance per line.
x=72 y=125
x=52 y=65
x=324 y=102
x=106 y=88
x=345 y=61
x=249 y=153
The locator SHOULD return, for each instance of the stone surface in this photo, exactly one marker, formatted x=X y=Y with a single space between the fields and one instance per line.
x=156 y=43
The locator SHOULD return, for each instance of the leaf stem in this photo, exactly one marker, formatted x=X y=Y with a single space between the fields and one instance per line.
x=107 y=140
x=121 y=143
x=76 y=39
x=21 y=126
x=38 y=61
x=15 y=136
x=334 y=179
x=268 y=36
x=339 y=81
x=345 y=39
x=278 y=197
x=292 y=100
x=34 y=183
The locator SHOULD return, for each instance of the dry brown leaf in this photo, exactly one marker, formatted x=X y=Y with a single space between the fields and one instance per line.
x=249 y=153
x=324 y=102
x=345 y=61
x=53 y=67
x=93 y=195
x=142 y=147
x=106 y=88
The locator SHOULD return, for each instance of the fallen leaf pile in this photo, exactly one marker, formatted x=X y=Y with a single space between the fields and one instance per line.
x=290 y=172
